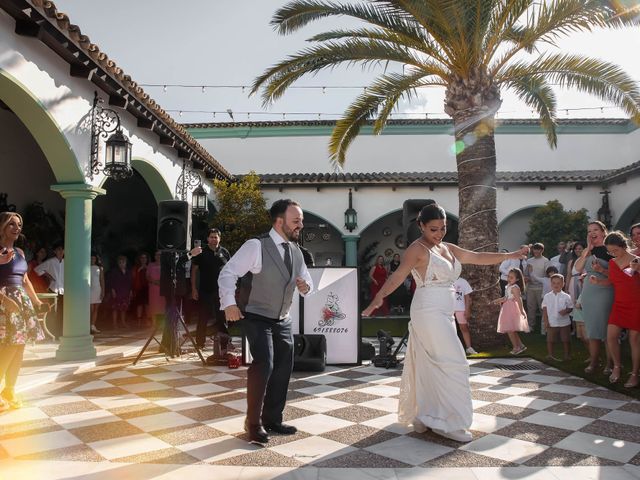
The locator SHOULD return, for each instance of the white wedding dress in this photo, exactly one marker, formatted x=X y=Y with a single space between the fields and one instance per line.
x=435 y=391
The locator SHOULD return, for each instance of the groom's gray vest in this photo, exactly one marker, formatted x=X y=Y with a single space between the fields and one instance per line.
x=270 y=292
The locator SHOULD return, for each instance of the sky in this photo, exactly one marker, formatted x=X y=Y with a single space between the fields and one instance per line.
x=230 y=42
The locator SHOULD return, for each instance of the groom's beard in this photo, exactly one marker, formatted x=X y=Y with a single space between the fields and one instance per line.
x=292 y=234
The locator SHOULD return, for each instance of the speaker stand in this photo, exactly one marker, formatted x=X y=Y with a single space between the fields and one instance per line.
x=177 y=351
x=173 y=317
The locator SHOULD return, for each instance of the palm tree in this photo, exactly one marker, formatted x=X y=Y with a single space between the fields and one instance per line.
x=475 y=49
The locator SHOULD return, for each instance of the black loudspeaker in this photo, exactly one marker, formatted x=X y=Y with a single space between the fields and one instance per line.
x=174 y=225
x=410 y=211
x=310 y=353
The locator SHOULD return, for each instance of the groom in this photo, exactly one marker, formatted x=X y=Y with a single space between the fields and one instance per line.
x=270 y=267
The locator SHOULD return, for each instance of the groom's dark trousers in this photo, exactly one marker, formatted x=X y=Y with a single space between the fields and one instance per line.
x=271 y=346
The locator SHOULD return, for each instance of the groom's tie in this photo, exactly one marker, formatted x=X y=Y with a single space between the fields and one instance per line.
x=287 y=257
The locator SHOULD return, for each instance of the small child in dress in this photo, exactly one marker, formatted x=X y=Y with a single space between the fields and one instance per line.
x=513 y=318
x=462 y=311
x=556 y=307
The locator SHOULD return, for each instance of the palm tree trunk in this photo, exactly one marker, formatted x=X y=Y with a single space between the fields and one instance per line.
x=478 y=225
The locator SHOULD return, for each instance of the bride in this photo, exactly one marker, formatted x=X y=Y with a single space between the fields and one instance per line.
x=435 y=391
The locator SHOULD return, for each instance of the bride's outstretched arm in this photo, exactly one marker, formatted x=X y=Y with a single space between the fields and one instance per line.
x=410 y=260
x=486 y=258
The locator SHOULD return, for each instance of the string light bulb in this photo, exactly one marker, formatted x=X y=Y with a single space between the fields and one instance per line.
x=164 y=89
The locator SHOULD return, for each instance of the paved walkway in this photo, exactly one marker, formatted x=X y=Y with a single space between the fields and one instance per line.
x=176 y=419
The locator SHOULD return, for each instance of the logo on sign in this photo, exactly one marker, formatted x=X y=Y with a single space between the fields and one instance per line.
x=331 y=311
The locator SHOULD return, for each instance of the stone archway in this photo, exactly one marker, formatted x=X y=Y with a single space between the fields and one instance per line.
x=323 y=240
x=66 y=177
x=512 y=229
x=153 y=177
x=43 y=128
x=630 y=216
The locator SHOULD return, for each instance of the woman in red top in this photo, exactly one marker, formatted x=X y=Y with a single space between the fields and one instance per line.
x=378 y=276
x=625 y=312
x=141 y=288
x=39 y=283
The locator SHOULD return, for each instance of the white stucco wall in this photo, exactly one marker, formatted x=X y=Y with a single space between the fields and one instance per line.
x=408 y=153
x=431 y=152
x=45 y=76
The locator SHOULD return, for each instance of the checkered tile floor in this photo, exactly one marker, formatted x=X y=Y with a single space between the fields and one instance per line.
x=160 y=412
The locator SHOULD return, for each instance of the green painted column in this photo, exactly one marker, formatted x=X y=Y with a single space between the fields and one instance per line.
x=351 y=250
x=76 y=343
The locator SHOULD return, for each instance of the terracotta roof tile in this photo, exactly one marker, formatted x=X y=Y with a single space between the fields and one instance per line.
x=411 y=121
x=73 y=32
x=525 y=177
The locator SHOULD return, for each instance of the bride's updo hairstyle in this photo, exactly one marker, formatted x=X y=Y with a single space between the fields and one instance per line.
x=433 y=211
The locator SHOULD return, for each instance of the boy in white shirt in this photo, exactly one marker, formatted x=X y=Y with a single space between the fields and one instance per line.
x=556 y=307
x=546 y=288
x=462 y=311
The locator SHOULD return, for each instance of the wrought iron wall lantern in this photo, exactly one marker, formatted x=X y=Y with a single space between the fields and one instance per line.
x=604 y=212
x=350 y=216
x=191 y=180
x=102 y=122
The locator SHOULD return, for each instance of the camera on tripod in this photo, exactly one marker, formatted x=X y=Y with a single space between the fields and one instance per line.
x=385 y=357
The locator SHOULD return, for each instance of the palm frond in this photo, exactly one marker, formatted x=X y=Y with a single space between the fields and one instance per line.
x=435 y=16
x=548 y=21
x=385 y=91
x=503 y=24
x=596 y=77
x=563 y=17
x=329 y=55
x=537 y=94
x=427 y=47
x=299 y=13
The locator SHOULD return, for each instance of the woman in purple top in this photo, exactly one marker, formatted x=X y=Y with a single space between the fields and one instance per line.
x=18 y=322
x=121 y=285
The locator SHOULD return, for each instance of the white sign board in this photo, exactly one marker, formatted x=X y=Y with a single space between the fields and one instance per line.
x=332 y=310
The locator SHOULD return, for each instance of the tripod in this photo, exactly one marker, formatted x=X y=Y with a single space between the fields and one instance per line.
x=170 y=344
x=386 y=359
x=394 y=355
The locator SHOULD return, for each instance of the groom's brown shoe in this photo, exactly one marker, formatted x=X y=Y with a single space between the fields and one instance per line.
x=257 y=433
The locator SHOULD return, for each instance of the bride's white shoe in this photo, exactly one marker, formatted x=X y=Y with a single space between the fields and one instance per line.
x=457 y=435
x=419 y=427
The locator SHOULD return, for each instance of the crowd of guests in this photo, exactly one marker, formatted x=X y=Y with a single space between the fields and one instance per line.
x=591 y=289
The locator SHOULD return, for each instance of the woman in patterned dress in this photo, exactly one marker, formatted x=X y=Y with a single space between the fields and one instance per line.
x=18 y=322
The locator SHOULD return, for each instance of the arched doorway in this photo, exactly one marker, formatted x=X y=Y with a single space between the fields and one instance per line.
x=512 y=230
x=386 y=236
x=125 y=219
x=629 y=217
x=48 y=136
x=153 y=178
x=323 y=240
